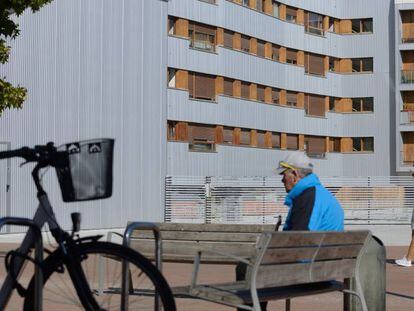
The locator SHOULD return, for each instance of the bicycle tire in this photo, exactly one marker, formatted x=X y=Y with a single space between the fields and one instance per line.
x=52 y=270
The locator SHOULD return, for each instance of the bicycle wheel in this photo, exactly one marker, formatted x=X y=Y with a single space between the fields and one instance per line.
x=102 y=265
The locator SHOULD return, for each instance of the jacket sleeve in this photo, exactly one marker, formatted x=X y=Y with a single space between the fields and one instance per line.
x=301 y=211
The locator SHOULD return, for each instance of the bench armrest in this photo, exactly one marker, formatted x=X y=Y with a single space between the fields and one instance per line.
x=197 y=260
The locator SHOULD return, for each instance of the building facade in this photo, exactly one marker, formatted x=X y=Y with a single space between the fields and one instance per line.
x=207 y=88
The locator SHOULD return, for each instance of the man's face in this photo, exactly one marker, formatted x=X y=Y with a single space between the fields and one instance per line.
x=289 y=179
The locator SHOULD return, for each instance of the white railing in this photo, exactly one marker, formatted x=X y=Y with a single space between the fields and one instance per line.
x=366 y=200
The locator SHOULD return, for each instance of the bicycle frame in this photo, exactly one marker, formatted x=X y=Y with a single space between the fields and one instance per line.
x=44 y=214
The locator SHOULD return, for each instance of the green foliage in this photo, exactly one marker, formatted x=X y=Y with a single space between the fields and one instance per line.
x=12 y=96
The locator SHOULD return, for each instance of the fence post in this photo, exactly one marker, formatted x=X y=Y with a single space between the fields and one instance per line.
x=207 y=211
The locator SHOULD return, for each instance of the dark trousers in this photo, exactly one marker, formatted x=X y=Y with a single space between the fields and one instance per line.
x=240 y=276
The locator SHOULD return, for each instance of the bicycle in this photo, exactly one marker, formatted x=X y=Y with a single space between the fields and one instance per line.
x=82 y=272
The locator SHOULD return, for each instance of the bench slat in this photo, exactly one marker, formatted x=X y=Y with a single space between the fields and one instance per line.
x=306 y=238
x=283 y=255
x=199 y=236
x=298 y=273
x=214 y=227
x=188 y=249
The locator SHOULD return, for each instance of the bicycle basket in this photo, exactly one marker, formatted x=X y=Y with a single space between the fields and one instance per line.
x=88 y=173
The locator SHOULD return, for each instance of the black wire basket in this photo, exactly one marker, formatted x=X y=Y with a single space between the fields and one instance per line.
x=88 y=173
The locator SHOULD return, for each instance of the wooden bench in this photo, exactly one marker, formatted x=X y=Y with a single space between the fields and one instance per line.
x=181 y=242
x=287 y=265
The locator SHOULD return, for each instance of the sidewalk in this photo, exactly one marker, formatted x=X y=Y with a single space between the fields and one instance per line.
x=400 y=286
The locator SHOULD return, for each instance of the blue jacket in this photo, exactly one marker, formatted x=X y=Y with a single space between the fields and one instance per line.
x=313 y=207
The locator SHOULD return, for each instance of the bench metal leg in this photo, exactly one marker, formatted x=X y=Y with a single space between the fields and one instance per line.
x=287 y=305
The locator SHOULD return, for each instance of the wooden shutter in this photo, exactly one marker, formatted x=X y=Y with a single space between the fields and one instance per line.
x=260 y=48
x=275 y=96
x=261 y=139
x=245 y=137
x=245 y=43
x=198 y=132
x=275 y=52
x=245 y=90
x=191 y=76
x=228 y=135
x=291 y=56
x=205 y=29
x=292 y=141
x=291 y=11
x=316 y=145
x=261 y=93
x=204 y=87
x=291 y=98
x=315 y=64
x=228 y=38
x=315 y=105
x=275 y=140
x=334 y=144
x=228 y=87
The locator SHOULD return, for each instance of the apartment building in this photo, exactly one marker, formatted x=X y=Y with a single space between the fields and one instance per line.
x=249 y=80
x=209 y=88
x=404 y=64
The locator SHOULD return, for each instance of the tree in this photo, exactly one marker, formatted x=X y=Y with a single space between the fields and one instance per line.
x=12 y=96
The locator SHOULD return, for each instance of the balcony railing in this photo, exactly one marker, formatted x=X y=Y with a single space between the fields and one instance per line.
x=202 y=45
x=407 y=117
x=407 y=76
x=407 y=40
x=314 y=30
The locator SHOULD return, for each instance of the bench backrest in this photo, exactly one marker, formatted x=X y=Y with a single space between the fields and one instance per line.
x=180 y=241
x=296 y=257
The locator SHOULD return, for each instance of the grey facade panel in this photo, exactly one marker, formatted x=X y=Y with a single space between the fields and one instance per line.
x=94 y=69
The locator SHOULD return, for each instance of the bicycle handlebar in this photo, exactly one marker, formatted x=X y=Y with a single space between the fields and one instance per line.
x=45 y=155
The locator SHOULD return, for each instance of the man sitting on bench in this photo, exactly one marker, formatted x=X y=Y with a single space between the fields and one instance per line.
x=311 y=206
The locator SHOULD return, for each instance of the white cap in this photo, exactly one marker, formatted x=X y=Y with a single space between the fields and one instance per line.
x=295 y=160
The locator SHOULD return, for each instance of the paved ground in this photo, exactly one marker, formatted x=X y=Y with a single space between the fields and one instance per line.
x=400 y=287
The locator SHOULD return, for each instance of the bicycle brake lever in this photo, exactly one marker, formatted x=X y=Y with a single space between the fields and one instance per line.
x=24 y=163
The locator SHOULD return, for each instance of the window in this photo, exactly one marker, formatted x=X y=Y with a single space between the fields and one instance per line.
x=333 y=103
x=362 y=25
x=315 y=146
x=334 y=144
x=261 y=93
x=228 y=87
x=363 y=144
x=365 y=104
x=202 y=146
x=171 y=130
x=260 y=48
x=228 y=38
x=260 y=5
x=291 y=14
x=314 y=23
x=275 y=9
x=333 y=64
x=261 y=139
x=292 y=141
x=245 y=137
x=171 y=25
x=315 y=64
x=201 y=86
x=245 y=43
x=362 y=65
x=291 y=56
x=245 y=90
x=202 y=36
x=291 y=98
x=171 y=77
x=275 y=96
x=275 y=140
x=275 y=52
x=228 y=135
x=246 y=2
x=315 y=105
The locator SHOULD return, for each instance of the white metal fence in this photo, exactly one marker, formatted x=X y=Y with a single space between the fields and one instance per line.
x=366 y=200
